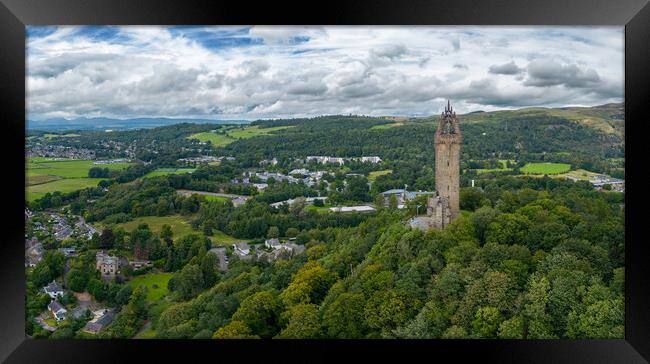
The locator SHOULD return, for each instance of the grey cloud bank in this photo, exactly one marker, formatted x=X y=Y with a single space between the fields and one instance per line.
x=272 y=72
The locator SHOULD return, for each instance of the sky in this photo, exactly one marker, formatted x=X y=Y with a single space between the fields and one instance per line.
x=262 y=72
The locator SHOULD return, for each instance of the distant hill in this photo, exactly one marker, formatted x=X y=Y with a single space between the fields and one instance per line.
x=117 y=124
x=608 y=118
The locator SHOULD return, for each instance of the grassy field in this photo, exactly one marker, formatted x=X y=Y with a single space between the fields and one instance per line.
x=320 y=209
x=581 y=174
x=37 y=180
x=148 y=280
x=166 y=171
x=180 y=224
x=216 y=198
x=64 y=175
x=546 y=168
x=64 y=185
x=69 y=168
x=504 y=167
x=180 y=227
x=50 y=136
x=386 y=126
x=233 y=133
x=372 y=176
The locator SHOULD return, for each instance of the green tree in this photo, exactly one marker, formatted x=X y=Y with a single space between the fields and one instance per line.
x=273 y=232
x=235 y=330
x=486 y=322
x=303 y=322
x=260 y=312
x=345 y=318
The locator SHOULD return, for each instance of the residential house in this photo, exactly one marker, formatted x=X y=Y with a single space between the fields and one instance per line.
x=241 y=249
x=273 y=243
x=58 y=311
x=108 y=265
x=96 y=325
x=69 y=251
x=54 y=290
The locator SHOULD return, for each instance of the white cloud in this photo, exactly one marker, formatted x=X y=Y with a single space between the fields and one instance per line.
x=269 y=71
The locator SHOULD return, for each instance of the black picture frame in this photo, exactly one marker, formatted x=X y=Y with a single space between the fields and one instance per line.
x=633 y=14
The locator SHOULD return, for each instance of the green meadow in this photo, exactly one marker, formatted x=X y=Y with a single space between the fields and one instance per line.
x=64 y=175
x=180 y=225
x=166 y=171
x=372 y=176
x=504 y=167
x=149 y=280
x=232 y=133
x=546 y=168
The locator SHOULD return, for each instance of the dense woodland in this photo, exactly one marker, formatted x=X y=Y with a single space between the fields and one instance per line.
x=530 y=257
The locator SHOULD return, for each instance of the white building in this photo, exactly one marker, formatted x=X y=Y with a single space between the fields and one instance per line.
x=241 y=249
x=273 y=243
x=363 y=208
x=54 y=290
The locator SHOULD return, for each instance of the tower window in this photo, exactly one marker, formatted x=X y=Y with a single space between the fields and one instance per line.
x=447 y=163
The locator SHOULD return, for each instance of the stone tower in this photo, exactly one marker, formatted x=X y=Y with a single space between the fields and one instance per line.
x=445 y=206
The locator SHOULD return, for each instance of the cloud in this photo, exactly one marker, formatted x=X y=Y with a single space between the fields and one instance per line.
x=243 y=72
x=509 y=68
x=543 y=73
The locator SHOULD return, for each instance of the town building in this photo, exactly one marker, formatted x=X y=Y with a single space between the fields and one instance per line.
x=403 y=196
x=107 y=265
x=363 y=208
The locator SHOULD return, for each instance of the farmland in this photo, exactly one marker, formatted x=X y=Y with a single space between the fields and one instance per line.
x=64 y=185
x=64 y=175
x=545 y=168
x=227 y=135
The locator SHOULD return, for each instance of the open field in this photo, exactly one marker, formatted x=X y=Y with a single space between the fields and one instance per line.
x=580 y=174
x=166 y=171
x=64 y=175
x=233 y=133
x=64 y=185
x=51 y=136
x=545 y=168
x=38 y=180
x=180 y=225
x=504 y=167
x=325 y=209
x=372 y=176
x=67 y=168
x=386 y=126
x=148 y=280
x=216 y=198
